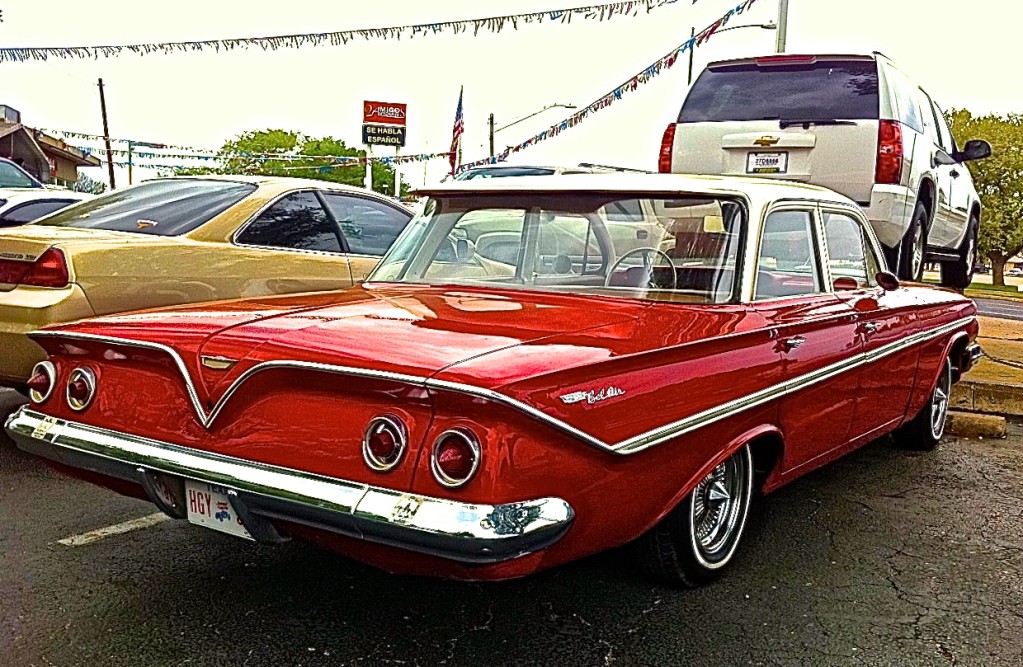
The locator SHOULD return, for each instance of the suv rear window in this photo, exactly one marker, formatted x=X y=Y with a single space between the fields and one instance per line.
x=502 y=172
x=163 y=208
x=826 y=89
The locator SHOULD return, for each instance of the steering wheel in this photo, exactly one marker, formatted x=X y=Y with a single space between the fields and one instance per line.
x=648 y=254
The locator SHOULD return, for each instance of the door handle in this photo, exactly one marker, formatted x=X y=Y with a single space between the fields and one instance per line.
x=790 y=344
x=871 y=327
x=954 y=173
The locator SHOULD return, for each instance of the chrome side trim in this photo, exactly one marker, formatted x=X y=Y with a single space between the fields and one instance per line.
x=630 y=445
x=465 y=532
x=707 y=417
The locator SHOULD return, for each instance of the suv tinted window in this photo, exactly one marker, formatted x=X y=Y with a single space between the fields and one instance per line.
x=948 y=142
x=827 y=89
x=296 y=222
x=906 y=99
x=501 y=172
x=164 y=208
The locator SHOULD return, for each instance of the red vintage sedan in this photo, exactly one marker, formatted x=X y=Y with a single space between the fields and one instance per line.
x=539 y=369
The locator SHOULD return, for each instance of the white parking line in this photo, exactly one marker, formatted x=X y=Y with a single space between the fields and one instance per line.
x=116 y=529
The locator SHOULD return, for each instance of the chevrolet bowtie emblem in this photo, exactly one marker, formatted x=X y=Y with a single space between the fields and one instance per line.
x=766 y=141
x=218 y=363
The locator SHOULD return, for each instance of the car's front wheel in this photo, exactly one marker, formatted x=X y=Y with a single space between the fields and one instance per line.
x=693 y=544
x=924 y=431
x=959 y=274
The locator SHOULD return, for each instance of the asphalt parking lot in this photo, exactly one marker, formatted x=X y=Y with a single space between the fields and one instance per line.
x=883 y=558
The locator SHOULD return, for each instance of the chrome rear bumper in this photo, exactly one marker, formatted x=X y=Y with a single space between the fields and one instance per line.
x=464 y=532
x=971 y=357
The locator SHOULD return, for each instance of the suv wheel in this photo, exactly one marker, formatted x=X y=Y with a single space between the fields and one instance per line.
x=914 y=246
x=959 y=274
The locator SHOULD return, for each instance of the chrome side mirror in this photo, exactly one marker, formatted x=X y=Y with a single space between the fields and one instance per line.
x=887 y=281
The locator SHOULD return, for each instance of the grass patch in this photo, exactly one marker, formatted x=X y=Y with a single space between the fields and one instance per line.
x=982 y=290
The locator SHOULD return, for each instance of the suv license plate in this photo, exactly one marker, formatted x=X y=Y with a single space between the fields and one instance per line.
x=208 y=505
x=767 y=163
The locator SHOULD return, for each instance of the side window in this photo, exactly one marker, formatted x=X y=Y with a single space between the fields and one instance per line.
x=34 y=210
x=296 y=222
x=787 y=265
x=850 y=255
x=909 y=109
x=927 y=116
x=369 y=226
x=947 y=140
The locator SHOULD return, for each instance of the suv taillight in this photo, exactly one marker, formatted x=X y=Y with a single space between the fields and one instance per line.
x=667 y=147
x=889 y=153
x=49 y=270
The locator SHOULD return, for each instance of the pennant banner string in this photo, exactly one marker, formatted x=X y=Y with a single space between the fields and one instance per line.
x=493 y=24
x=662 y=64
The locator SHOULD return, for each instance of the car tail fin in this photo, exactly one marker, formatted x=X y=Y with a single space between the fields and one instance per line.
x=667 y=149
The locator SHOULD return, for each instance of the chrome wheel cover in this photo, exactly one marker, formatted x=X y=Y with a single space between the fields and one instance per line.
x=939 y=401
x=916 y=260
x=718 y=508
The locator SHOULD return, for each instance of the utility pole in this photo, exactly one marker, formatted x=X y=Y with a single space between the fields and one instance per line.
x=783 y=26
x=106 y=134
x=129 y=163
x=397 y=174
x=369 y=167
x=692 y=48
x=491 y=134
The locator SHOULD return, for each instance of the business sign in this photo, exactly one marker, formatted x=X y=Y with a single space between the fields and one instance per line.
x=387 y=135
x=386 y=113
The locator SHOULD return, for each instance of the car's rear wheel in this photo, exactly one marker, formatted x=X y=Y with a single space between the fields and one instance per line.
x=914 y=246
x=924 y=431
x=693 y=544
x=959 y=274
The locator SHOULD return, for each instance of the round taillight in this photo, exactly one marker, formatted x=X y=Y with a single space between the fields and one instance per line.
x=42 y=382
x=81 y=387
x=384 y=443
x=456 y=457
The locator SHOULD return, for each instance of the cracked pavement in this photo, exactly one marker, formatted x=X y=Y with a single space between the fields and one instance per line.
x=885 y=557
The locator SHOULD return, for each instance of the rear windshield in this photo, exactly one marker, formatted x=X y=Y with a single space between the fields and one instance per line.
x=501 y=172
x=825 y=90
x=11 y=176
x=163 y=208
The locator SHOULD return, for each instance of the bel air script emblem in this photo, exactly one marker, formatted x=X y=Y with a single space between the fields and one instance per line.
x=592 y=396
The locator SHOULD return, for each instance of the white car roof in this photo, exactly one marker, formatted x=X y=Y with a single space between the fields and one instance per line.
x=22 y=195
x=637 y=183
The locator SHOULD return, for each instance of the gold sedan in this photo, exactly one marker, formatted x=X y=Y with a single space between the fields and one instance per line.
x=185 y=240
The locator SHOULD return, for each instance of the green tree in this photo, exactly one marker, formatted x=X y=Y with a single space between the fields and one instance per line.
x=90 y=185
x=247 y=154
x=999 y=181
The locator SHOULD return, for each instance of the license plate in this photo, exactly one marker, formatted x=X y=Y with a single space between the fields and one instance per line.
x=767 y=163
x=209 y=506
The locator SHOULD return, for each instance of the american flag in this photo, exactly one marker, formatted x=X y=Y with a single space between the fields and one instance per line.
x=456 y=134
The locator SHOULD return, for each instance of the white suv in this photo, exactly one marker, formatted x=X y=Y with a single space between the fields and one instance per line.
x=851 y=123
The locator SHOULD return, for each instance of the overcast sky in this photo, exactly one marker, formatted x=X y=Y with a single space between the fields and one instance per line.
x=961 y=52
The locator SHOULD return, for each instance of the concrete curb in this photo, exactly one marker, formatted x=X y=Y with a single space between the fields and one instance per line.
x=972 y=425
x=986 y=397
